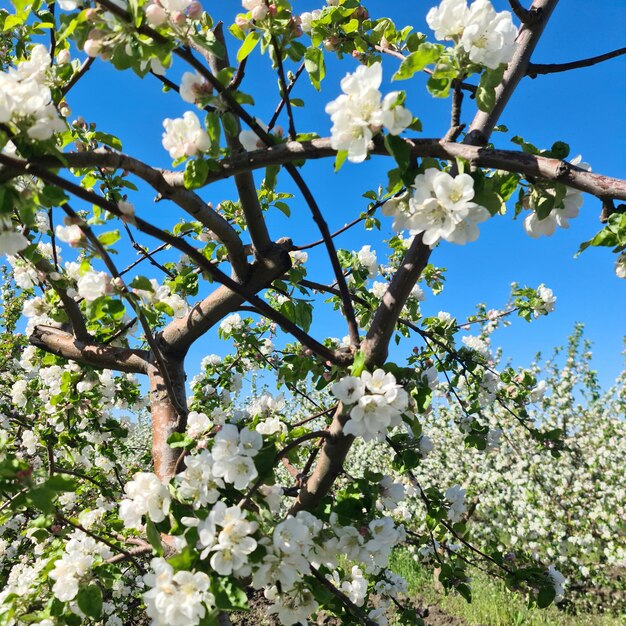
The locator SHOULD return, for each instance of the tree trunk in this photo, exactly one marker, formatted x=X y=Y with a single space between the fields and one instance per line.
x=165 y=418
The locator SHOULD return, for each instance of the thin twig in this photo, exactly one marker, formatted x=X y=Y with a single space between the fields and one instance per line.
x=534 y=69
x=82 y=70
x=283 y=88
x=281 y=104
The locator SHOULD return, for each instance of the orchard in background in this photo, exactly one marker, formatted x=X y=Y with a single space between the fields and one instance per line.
x=240 y=491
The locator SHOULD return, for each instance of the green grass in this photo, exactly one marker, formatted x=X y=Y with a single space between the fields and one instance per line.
x=492 y=604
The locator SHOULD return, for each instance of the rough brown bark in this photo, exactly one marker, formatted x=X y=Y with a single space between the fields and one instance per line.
x=165 y=419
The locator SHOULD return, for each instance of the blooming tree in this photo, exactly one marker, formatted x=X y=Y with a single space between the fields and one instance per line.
x=237 y=499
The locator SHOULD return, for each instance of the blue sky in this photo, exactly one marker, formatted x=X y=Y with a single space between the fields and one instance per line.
x=583 y=108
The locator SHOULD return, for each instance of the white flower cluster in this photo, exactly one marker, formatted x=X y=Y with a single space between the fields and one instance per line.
x=232 y=454
x=26 y=99
x=548 y=300
x=93 y=285
x=184 y=136
x=147 y=495
x=361 y=111
x=163 y=294
x=440 y=207
x=378 y=403
x=81 y=553
x=455 y=495
x=486 y=36
x=559 y=215
x=176 y=599
x=176 y=11
x=225 y=535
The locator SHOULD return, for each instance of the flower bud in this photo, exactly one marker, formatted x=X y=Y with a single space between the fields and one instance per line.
x=243 y=23
x=361 y=13
x=156 y=15
x=63 y=57
x=92 y=47
x=92 y=15
x=64 y=110
x=331 y=43
x=178 y=18
x=195 y=10
x=260 y=12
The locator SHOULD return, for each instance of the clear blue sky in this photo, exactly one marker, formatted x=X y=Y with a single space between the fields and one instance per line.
x=584 y=108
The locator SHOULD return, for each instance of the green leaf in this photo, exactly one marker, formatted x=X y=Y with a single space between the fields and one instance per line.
x=195 y=174
x=400 y=150
x=426 y=54
x=179 y=440
x=214 y=130
x=108 y=140
x=230 y=124
x=314 y=65
x=340 y=159
x=486 y=91
x=546 y=596
x=142 y=283
x=248 y=45
x=108 y=239
x=228 y=595
x=358 y=365
x=154 y=537
x=57 y=482
x=90 y=601
x=490 y=200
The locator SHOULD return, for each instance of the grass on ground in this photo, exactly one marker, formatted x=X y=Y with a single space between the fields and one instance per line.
x=492 y=604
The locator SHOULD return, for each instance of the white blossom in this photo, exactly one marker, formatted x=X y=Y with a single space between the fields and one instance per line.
x=184 y=136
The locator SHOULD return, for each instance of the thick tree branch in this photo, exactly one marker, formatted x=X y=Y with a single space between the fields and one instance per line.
x=527 y=40
x=63 y=344
x=244 y=181
x=186 y=199
x=23 y=167
x=70 y=306
x=384 y=322
x=509 y=160
x=534 y=69
x=179 y=334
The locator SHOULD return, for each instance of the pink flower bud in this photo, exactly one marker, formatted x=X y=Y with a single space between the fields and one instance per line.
x=156 y=15
x=195 y=10
x=92 y=15
x=178 y=18
x=260 y=12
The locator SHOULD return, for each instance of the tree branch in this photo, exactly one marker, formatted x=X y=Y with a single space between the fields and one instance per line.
x=525 y=16
x=186 y=199
x=384 y=321
x=527 y=40
x=510 y=160
x=22 y=166
x=244 y=181
x=82 y=70
x=63 y=344
x=534 y=69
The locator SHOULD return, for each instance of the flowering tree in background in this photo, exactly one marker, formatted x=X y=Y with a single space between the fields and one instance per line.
x=98 y=531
